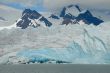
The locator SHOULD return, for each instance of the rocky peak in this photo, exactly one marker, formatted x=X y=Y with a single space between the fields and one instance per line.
x=88 y=18
x=32 y=18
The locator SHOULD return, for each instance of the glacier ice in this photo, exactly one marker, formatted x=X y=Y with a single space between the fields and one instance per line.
x=74 y=52
x=76 y=44
x=91 y=50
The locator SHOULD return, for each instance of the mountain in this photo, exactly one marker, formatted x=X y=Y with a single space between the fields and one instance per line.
x=32 y=18
x=54 y=16
x=71 y=9
x=74 y=14
x=70 y=14
x=88 y=18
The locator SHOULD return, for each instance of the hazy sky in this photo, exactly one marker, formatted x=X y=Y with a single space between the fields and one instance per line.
x=54 y=4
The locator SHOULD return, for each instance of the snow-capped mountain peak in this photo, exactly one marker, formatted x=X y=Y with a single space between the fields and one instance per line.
x=32 y=18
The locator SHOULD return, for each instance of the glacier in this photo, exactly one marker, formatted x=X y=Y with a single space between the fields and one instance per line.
x=87 y=48
x=94 y=49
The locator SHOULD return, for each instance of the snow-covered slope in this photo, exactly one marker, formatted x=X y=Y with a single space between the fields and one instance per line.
x=8 y=27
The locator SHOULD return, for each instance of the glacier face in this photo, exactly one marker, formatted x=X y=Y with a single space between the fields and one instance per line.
x=94 y=52
x=87 y=48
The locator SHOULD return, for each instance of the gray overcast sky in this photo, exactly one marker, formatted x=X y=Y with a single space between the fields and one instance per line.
x=54 y=4
x=89 y=3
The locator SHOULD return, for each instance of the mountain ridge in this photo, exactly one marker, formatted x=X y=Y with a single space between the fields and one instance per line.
x=35 y=19
x=32 y=18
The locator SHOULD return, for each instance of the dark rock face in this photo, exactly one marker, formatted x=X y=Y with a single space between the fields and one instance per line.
x=66 y=21
x=88 y=18
x=23 y=23
x=29 y=15
x=69 y=16
x=63 y=12
x=78 y=8
x=32 y=14
x=47 y=23
x=54 y=16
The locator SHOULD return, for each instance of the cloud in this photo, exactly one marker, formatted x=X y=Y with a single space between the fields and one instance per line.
x=50 y=4
x=57 y=4
x=25 y=3
x=10 y=14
